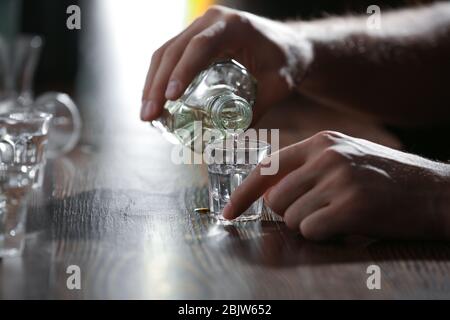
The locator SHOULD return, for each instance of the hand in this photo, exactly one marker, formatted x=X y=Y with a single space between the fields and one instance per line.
x=332 y=185
x=271 y=51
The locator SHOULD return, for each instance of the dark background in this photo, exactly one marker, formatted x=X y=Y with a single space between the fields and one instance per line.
x=59 y=59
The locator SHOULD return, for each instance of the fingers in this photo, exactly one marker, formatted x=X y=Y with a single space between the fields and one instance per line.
x=322 y=213
x=330 y=192
x=304 y=206
x=174 y=65
x=256 y=184
x=148 y=111
x=162 y=64
x=154 y=64
x=295 y=184
x=325 y=223
x=199 y=53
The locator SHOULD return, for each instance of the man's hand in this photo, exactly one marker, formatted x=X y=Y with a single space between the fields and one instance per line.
x=332 y=184
x=271 y=50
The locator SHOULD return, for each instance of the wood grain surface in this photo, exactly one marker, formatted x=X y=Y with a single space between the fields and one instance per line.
x=120 y=210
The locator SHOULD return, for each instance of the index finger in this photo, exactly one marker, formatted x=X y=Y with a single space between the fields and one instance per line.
x=256 y=184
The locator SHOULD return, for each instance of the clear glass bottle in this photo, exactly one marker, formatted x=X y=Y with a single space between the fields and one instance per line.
x=220 y=98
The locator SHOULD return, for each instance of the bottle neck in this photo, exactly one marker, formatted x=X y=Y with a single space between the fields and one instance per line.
x=230 y=112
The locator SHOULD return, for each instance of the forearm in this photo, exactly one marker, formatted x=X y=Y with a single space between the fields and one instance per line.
x=399 y=74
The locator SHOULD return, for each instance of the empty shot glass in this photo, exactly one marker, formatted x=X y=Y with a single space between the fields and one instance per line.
x=230 y=161
x=19 y=58
x=23 y=140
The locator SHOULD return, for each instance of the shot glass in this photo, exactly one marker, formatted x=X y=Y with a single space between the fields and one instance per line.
x=23 y=140
x=19 y=58
x=230 y=161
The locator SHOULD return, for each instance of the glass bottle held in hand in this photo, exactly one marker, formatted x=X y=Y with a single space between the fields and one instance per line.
x=220 y=99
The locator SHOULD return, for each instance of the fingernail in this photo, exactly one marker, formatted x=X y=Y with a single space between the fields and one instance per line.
x=148 y=108
x=172 y=89
x=228 y=211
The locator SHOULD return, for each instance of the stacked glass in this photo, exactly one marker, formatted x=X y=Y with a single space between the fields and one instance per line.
x=23 y=139
x=27 y=126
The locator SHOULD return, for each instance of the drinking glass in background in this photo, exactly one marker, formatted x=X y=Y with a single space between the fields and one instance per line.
x=15 y=185
x=18 y=60
x=230 y=161
x=23 y=139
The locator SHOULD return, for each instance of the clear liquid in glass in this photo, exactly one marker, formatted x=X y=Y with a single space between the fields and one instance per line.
x=23 y=142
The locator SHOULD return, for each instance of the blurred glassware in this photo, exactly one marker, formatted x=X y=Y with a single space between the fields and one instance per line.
x=15 y=186
x=18 y=61
x=23 y=140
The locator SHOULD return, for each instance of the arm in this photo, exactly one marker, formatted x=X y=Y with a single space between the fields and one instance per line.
x=399 y=74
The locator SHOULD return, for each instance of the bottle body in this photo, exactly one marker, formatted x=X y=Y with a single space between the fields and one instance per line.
x=219 y=100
